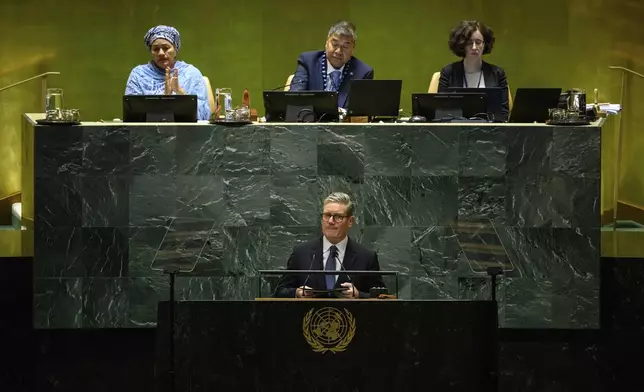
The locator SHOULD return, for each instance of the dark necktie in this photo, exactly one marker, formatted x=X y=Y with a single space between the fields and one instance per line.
x=335 y=80
x=330 y=266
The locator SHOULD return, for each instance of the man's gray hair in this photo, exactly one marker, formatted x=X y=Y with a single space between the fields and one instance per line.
x=340 y=198
x=343 y=27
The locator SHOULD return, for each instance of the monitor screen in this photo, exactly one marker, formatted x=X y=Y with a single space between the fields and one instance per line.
x=301 y=106
x=448 y=106
x=493 y=96
x=532 y=104
x=369 y=97
x=160 y=108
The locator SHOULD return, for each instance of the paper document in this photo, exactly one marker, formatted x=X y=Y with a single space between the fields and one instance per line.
x=612 y=108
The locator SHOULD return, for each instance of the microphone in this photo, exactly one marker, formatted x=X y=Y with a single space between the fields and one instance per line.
x=283 y=282
x=309 y=275
x=346 y=273
x=288 y=85
x=344 y=269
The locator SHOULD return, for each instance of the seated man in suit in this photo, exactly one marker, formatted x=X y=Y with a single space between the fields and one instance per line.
x=332 y=68
x=333 y=251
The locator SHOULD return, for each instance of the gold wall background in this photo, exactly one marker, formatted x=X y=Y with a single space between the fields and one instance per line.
x=254 y=44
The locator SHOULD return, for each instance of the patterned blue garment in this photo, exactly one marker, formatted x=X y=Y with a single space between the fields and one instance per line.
x=148 y=79
x=167 y=33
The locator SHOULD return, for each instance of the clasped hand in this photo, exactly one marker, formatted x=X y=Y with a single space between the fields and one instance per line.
x=172 y=83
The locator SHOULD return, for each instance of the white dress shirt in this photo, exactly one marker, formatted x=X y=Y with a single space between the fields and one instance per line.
x=326 y=250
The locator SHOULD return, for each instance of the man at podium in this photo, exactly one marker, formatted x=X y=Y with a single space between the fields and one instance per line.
x=334 y=251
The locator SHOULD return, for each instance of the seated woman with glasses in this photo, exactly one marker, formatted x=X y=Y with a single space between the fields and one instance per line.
x=470 y=40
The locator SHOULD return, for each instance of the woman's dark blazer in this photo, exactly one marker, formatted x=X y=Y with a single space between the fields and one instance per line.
x=452 y=75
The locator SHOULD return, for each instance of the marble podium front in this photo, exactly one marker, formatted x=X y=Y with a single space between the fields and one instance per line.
x=439 y=202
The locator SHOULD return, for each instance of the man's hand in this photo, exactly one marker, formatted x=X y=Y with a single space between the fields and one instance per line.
x=350 y=291
x=304 y=291
x=172 y=83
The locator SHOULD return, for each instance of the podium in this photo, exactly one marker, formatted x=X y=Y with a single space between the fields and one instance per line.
x=329 y=345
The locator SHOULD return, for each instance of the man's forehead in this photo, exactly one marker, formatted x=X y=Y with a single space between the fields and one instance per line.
x=344 y=39
x=335 y=206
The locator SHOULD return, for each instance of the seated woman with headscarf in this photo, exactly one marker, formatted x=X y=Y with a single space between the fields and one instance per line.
x=164 y=74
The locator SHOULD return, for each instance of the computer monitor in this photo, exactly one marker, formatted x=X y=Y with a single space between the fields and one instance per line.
x=493 y=96
x=448 y=106
x=532 y=104
x=301 y=106
x=160 y=108
x=374 y=98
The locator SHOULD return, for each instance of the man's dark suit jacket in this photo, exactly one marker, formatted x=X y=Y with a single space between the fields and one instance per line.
x=308 y=75
x=309 y=256
x=452 y=75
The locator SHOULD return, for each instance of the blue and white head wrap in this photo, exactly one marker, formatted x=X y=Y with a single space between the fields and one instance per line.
x=166 y=32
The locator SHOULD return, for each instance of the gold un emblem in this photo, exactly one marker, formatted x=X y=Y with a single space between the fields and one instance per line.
x=328 y=329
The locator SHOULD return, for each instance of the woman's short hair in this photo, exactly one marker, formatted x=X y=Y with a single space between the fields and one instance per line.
x=463 y=32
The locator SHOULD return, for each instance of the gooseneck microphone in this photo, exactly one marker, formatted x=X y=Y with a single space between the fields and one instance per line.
x=346 y=273
x=309 y=275
x=293 y=83
x=283 y=281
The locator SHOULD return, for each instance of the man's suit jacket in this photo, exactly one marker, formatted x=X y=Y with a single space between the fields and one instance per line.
x=308 y=75
x=309 y=256
x=452 y=75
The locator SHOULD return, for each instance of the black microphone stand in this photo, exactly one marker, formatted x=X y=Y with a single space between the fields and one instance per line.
x=173 y=271
x=494 y=272
x=288 y=85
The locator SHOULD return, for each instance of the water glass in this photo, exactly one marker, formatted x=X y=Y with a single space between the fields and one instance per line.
x=54 y=100
x=557 y=114
x=71 y=115
x=242 y=114
x=53 y=115
x=225 y=102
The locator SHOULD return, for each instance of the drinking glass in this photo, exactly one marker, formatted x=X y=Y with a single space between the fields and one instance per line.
x=225 y=101
x=54 y=99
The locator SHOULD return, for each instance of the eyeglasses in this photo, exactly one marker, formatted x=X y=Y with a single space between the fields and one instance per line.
x=478 y=42
x=336 y=217
x=343 y=46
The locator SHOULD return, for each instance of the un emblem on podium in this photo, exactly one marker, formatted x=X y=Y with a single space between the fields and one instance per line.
x=328 y=329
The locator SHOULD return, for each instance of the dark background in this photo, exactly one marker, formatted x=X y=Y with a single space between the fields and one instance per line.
x=123 y=359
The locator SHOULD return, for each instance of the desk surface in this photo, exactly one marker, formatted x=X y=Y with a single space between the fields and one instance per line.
x=39 y=116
